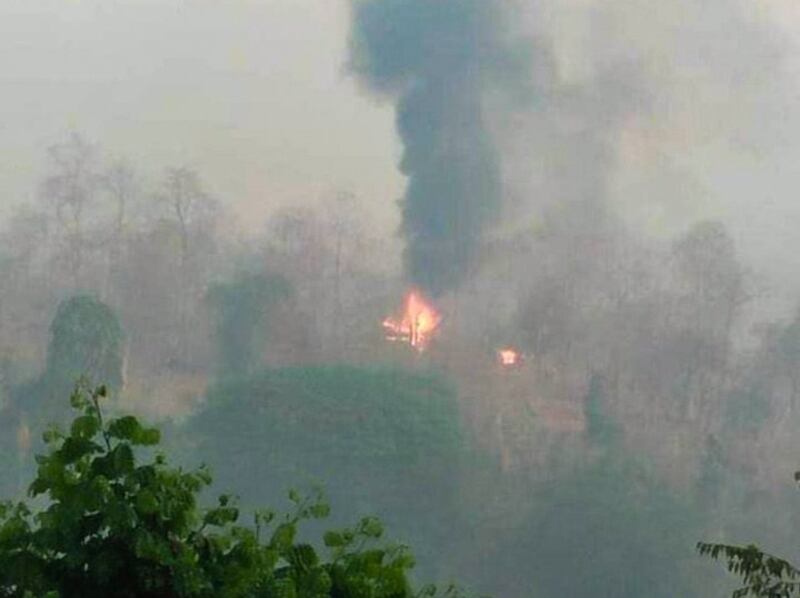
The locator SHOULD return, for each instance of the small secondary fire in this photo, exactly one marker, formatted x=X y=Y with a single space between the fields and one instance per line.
x=416 y=325
x=509 y=357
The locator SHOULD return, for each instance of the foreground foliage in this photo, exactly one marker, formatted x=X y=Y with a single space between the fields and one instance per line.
x=762 y=575
x=112 y=525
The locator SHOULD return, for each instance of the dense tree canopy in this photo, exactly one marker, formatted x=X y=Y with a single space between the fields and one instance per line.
x=381 y=440
x=329 y=417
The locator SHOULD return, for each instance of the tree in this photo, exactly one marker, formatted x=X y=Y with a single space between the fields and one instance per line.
x=193 y=210
x=714 y=286
x=608 y=527
x=763 y=575
x=706 y=259
x=119 y=521
x=241 y=308
x=188 y=201
x=85 y=340
x=120 y=184
x=601 y=428
x=24 y=243
x=71 y=190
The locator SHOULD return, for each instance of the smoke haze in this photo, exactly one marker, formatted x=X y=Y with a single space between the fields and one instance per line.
x=243 y=194
x=247 y=93
x=669 y=116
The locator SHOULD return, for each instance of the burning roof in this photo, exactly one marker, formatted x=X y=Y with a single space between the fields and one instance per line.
x=509 y=357
x=417 y=323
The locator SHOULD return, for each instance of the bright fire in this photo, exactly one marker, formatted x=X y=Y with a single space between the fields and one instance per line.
x=508 y=357
x=416 y=325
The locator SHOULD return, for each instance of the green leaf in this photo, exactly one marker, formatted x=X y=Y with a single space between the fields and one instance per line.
x=333 y=539
x=122 y=460
x=75 y=448
x=221 y=516
x=128 y=428
x=304 y=557
x=148 y=437
x=320 y=510
x=146 y=502
x=371 y=527
x=78 y=399
x=283 y=536
x=52 y=435
x=124 y=428
x=85 y=426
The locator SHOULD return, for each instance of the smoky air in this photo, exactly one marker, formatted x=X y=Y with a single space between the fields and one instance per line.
x=304 y=298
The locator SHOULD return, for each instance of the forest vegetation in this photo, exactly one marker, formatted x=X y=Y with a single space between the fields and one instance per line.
x=639 y=423
x=513 y=282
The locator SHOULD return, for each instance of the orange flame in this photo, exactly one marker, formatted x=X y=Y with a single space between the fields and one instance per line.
x=417 y=324
x=509 y=357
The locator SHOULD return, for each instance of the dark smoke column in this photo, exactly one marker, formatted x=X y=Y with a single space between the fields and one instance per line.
x=438 y=58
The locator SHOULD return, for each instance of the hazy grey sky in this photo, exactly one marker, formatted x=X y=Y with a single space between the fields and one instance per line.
x=254 y=94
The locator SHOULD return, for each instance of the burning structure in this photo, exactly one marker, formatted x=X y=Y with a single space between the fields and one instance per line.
x=417 y=323
x=509 y=357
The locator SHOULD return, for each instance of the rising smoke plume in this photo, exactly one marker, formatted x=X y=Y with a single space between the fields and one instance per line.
x=438 y=60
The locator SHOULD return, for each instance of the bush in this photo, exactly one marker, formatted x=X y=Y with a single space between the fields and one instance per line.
x=381 y=440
